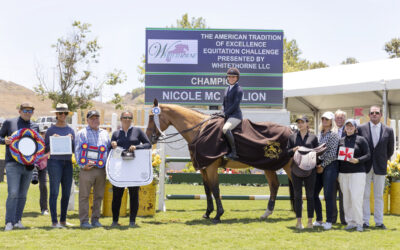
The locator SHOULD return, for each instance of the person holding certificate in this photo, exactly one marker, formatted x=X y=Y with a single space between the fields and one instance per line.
x=60 y=141
x=353 y=154
x=129 y=138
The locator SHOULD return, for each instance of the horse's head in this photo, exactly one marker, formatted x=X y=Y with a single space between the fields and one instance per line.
x=152 y=132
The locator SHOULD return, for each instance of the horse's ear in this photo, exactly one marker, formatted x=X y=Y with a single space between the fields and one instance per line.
x=155 y=102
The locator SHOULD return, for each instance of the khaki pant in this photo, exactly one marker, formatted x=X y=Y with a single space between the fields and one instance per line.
x=95 y=178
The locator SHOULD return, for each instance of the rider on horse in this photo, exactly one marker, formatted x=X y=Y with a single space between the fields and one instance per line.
x=231 y=108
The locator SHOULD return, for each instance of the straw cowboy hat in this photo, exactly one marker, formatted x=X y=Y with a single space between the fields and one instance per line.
x=61 y=107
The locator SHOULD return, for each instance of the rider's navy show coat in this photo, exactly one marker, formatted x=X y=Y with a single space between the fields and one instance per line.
x=232 y=101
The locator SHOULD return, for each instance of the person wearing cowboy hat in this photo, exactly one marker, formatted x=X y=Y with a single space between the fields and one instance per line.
x=60 y=167
x=19 y=176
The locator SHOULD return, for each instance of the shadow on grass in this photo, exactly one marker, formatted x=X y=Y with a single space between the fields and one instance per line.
x=122 y=227
x=32 y=214
x=237 y=221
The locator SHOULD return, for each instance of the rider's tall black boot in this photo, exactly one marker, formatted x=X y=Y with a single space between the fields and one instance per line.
x=231 y=141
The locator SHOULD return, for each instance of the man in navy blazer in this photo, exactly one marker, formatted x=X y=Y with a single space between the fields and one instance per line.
x=231 y=105
x=381 y=144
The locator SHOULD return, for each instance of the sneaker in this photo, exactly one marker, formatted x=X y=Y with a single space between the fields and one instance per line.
x=56 y=225
x=360 y=228
x=380 y=226
x=310 y=226
x=96 y=224
x=115 y=224
x=45 y=212
x=66 y=224
x=350 y=226
x=86 y=225
x=8 y=227
x=317 y=224
x=132 y=224
x=365 y=226
x=300 y=226
x=327 y=225
x=19 y=225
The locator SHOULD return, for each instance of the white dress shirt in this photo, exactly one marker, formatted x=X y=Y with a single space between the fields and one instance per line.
x=375 y=132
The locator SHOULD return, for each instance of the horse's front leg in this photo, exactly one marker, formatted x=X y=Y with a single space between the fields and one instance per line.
x=273 y=184
x=207 y=189
x=212 y=178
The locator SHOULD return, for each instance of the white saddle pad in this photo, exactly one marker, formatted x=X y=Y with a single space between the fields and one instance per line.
x=129 y=173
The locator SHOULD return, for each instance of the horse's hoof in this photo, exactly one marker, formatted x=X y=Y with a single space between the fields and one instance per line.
x=216 y=221
x=205 y=216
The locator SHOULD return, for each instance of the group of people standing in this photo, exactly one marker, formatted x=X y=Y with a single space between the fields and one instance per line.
x=60 y=167
x=370 y=145
x=373 y=145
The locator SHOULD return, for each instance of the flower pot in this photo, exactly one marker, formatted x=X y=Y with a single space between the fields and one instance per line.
x=147 y=199
x=395 y=198
x=385 y=200
x=107 y=201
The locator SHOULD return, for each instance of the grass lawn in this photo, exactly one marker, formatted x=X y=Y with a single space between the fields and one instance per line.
x=182 y=227
x=2 y=152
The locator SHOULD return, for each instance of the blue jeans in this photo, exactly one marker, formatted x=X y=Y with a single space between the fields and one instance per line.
x=60 y=171
x=327 y=180
x=18 y=181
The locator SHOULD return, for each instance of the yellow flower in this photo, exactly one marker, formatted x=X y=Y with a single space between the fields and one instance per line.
x=73 y=159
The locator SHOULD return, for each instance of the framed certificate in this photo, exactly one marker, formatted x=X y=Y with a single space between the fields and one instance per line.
x=60 y=145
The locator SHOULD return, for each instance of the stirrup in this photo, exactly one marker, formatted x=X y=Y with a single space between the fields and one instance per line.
x=230 y=156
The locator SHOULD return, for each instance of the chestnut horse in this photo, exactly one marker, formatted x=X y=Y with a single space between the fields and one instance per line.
x=188 y=123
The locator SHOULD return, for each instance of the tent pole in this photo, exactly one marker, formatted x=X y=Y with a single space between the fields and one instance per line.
x=316 y=119
x=385 y=103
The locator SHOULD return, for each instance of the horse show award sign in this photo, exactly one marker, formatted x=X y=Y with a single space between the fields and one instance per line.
x=128 y=173
x=92 y=155
x=27 y=146
x=188 y=66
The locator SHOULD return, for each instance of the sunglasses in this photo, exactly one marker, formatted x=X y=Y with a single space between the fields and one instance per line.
x=62 y=113
x=127 y=118
x=27 y=111
x=375 y=113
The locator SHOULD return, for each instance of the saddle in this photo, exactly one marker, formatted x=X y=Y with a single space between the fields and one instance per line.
x=305 y=160
x=259 y=144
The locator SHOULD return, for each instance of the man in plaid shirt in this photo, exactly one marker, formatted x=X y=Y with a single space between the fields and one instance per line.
x=91 y=175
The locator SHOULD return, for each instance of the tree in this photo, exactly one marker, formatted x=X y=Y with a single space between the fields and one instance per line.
x=317 y=65
x=292 y=61
x=350 y=60
x=195 y=23
x=393 y=48
x=184 y=23
x=75 y=83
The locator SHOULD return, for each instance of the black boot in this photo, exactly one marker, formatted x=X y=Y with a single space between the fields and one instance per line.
x=231 y=141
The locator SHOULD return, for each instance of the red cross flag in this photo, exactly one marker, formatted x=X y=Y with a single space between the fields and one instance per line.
x=345 y=154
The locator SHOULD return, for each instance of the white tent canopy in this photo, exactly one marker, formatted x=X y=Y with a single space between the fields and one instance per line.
x=344 y=87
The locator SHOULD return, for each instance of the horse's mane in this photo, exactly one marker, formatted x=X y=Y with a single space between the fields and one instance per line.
x=178 y=107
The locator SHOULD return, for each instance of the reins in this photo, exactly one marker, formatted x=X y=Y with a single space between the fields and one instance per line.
x=168 y=136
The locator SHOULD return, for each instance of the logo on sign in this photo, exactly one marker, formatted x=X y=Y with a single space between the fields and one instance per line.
x=172 y=51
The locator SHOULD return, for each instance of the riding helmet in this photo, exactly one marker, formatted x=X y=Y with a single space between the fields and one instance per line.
x=233 y=72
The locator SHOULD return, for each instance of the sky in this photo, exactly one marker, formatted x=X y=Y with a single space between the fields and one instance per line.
x=328 y=31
